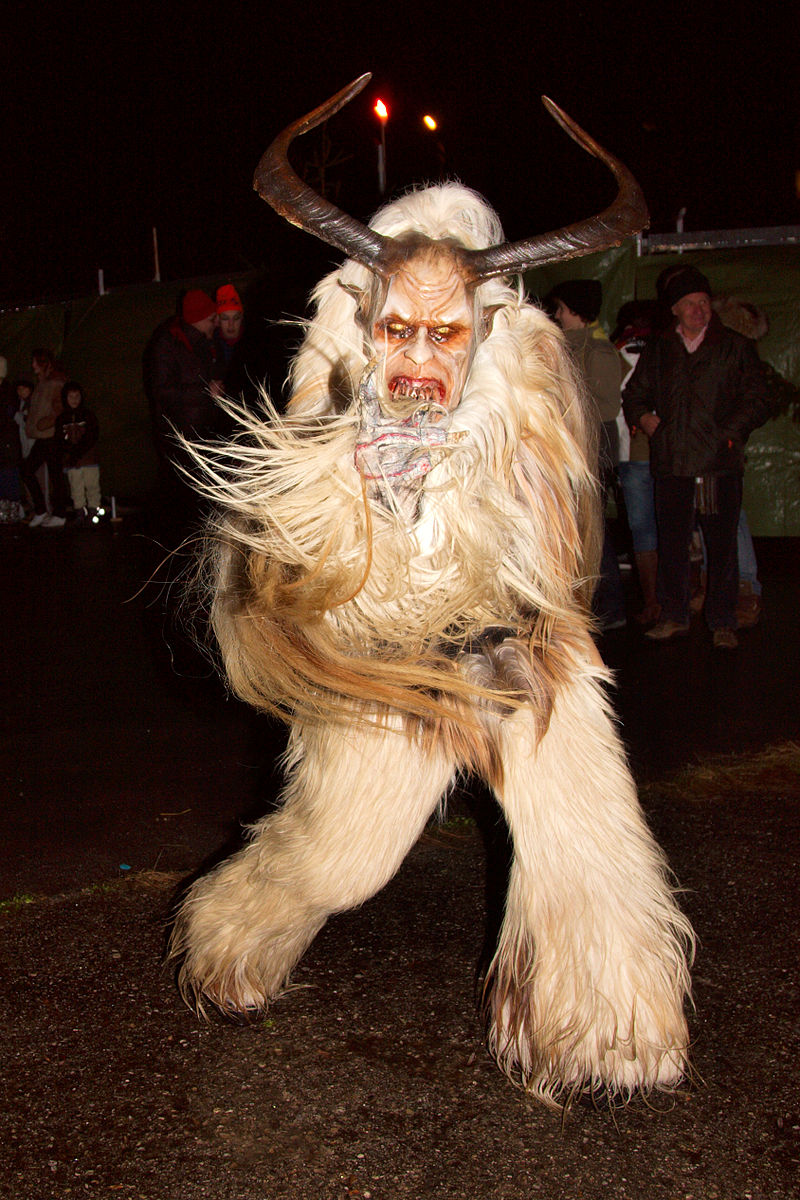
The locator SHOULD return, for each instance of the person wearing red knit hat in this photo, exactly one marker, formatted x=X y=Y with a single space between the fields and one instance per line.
x=179 y=379
x=199 y=310
x=230 y=312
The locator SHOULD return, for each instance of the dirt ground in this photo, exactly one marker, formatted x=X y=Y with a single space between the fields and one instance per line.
x=369 y=1078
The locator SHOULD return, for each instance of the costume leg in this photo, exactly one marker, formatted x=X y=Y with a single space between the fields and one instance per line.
x=356 y=800
x=590 y=975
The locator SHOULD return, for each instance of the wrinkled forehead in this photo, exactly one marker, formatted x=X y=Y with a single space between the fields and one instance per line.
x=430 y=288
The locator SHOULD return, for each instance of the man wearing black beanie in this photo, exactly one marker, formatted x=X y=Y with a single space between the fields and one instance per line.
x=698 y=392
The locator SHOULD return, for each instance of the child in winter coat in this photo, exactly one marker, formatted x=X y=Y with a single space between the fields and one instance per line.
x=76 y=432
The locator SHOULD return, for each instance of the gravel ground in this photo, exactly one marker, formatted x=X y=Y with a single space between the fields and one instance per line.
x=370 y=1078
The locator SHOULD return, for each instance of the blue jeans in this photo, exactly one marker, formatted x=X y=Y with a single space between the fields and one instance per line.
x=637 y=488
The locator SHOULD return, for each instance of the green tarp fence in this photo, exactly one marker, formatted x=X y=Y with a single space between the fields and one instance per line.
x=767 y=276
x=100 y=340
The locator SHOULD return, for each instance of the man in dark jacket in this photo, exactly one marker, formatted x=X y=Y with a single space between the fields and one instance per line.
x=179 y=381
x=698 y=392
x=178 y=369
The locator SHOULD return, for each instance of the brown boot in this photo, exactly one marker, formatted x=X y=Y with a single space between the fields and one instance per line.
x=647 y=568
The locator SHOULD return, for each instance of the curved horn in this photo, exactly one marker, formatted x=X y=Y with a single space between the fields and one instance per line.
x=628 y=215
x=280 y=186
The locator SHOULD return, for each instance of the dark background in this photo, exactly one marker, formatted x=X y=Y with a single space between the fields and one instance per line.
x=123 y=116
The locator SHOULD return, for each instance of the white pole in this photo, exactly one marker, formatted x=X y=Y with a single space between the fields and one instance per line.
x=101 y=287
x=157 y=276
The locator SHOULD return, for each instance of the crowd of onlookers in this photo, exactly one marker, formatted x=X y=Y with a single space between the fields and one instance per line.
x=48 y=447
x=678 y=393
x=49 y=467
x=677 y=390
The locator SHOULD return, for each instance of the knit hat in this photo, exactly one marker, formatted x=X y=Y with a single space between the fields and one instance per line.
x=581 y=296
x=197 y=306
x=683 y=282
x=228 y=299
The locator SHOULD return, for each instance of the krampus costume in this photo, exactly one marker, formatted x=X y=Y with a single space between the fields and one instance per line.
x=402 y=567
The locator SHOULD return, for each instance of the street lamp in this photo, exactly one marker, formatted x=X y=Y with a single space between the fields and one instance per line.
x=382 y=113
x=432 y=125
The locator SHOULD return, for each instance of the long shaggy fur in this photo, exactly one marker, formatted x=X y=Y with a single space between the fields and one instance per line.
x=402 y=651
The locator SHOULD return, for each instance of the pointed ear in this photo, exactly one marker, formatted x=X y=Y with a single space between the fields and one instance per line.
x=362 y=297
x=487 y=318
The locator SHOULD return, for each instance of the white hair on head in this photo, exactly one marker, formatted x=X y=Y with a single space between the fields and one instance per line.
x=325 y=373
x=445 y=211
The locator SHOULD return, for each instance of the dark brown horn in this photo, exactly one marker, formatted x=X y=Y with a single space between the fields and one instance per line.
x=280 y=186
x=627 y=216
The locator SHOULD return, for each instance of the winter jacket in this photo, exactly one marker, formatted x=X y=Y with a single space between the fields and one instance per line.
x=76 y=433
x=709 y=401
x=603 y=370
x=178 y=366
x=45 y=405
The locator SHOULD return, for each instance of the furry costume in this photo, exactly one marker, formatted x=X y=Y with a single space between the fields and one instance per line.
x=408 y=582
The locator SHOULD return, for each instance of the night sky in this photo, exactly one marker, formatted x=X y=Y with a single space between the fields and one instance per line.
x=120 y=117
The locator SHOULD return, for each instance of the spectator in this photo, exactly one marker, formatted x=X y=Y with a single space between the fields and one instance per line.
x=23 y=390
x=228 y=334
x=77 y=433
x=10 y=454
x=45 y=406
x=635 y=322
x=178 y=372
x=698 y=392
x=241 y=348
x=179 y=382
x=577 y=307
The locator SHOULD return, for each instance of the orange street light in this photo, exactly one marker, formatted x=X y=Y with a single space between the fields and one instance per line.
x=430 y=122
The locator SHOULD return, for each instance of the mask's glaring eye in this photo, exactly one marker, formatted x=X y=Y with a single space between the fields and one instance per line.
x=397 y=330
x=444 y=333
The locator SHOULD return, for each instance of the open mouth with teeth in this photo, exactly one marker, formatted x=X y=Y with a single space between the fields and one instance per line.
x=423 y=391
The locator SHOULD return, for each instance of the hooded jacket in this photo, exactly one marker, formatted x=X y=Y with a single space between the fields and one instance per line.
x=76 y=432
